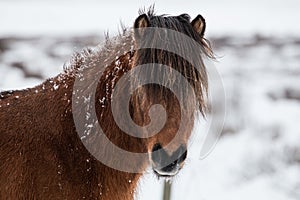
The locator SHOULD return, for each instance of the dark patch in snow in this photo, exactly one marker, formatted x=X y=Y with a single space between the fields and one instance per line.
x=287 y=94
x=26 y=72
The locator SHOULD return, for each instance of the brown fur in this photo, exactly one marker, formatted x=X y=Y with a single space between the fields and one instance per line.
x=41 y=154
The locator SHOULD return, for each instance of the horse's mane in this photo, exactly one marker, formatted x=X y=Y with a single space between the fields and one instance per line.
x=125 y=41
x=5 y=94
x=149 y=11
x=109 y=47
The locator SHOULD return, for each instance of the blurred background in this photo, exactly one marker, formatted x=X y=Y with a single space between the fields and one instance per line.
x=258 y=48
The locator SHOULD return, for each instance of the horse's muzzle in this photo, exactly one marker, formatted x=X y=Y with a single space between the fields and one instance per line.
x=165 y=165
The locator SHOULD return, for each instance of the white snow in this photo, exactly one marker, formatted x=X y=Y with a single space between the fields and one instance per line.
x=55 y=87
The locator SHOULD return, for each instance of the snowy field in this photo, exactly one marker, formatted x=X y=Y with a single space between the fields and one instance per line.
x=258 y=49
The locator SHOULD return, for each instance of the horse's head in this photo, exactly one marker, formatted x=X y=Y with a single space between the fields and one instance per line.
x=168 y=148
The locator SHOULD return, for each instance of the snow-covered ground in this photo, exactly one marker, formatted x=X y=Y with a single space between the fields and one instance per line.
x=258 y=45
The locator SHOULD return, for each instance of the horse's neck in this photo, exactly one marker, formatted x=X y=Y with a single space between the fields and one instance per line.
x=113 y=182
x=45 y=115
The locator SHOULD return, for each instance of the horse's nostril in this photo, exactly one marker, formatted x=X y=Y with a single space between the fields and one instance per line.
x=158 y=155
x=161 y=158
x=182 y=154
x=156 y=147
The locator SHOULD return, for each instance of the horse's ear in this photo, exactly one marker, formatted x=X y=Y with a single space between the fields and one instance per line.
x=199 y=25
x=141 y=22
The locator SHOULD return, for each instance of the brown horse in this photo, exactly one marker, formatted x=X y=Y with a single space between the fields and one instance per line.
x=42 y=155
